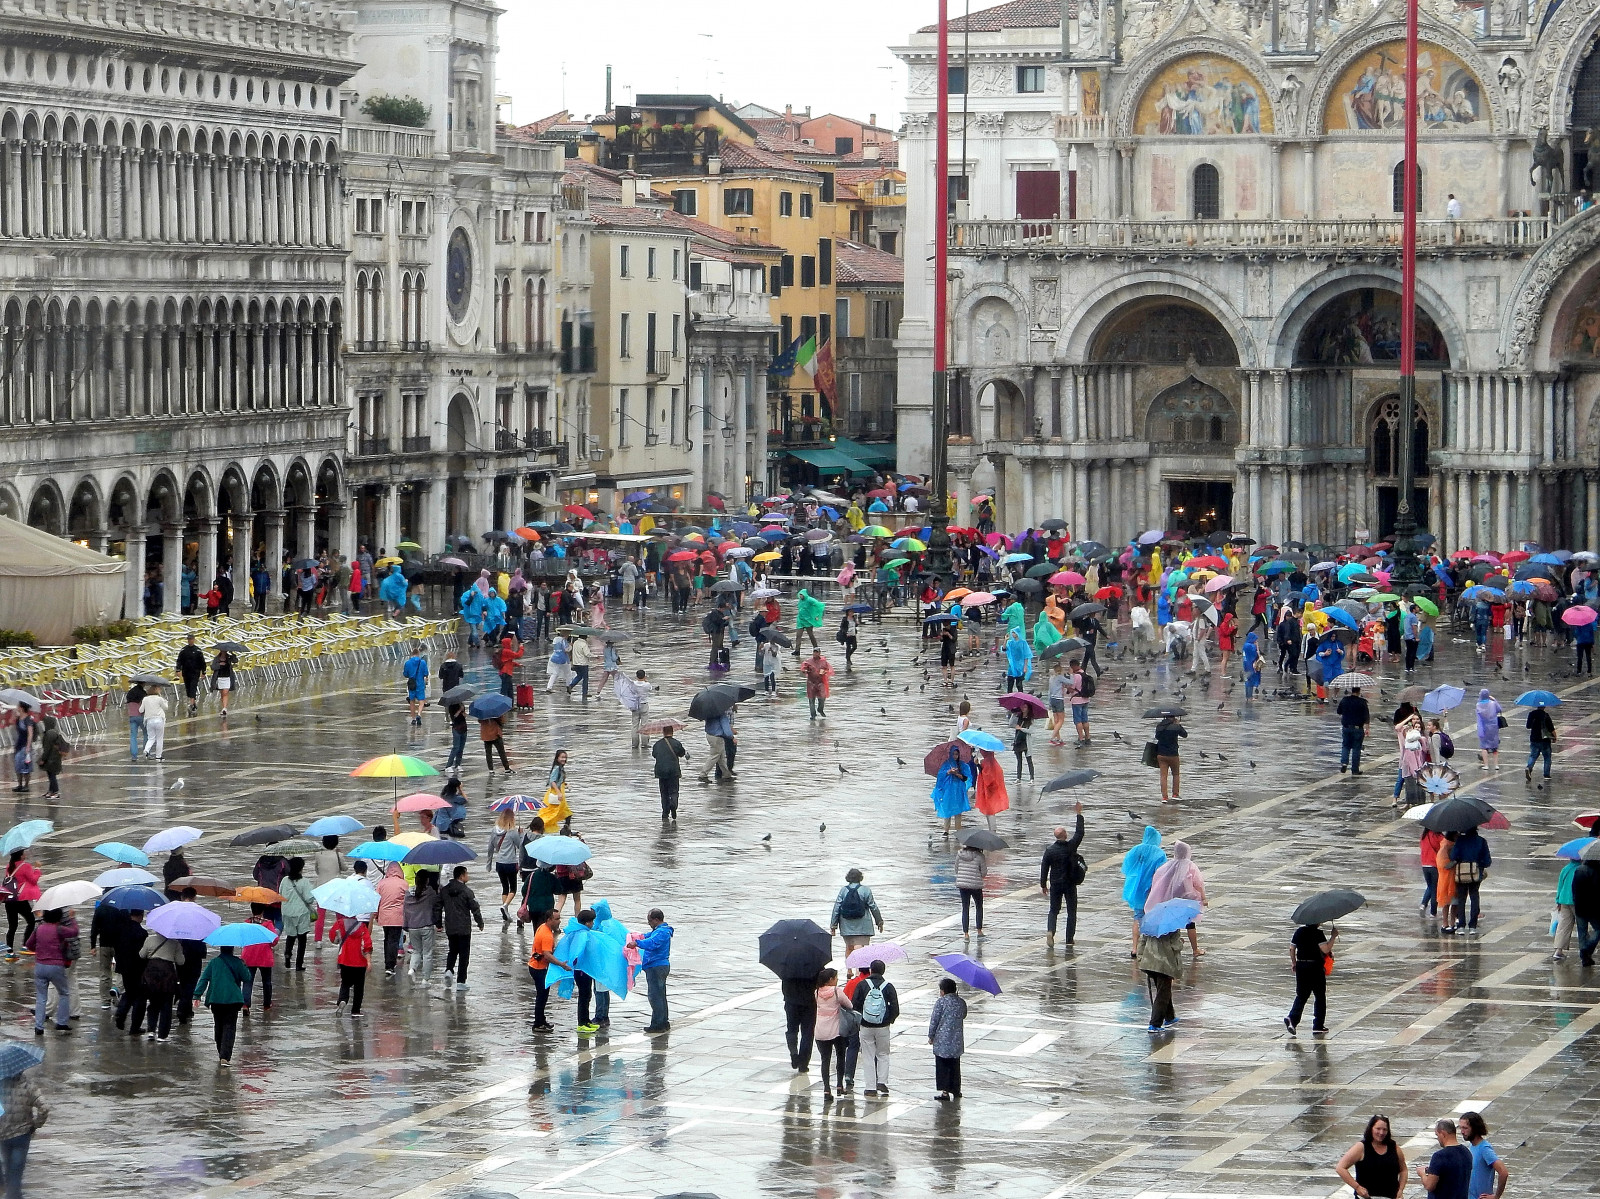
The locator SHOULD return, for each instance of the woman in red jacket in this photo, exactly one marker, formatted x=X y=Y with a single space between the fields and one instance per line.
x=506 y=661
x=354 y=953
x=20 y=887
x=258 y=959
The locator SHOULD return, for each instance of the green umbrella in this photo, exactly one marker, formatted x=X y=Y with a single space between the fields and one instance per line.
x=1386 y=598
x=895 y=563
x=1427 y=605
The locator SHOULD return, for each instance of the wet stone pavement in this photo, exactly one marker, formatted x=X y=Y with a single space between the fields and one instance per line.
x=1066 y=1093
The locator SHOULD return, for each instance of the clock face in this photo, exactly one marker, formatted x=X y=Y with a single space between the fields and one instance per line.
x=458 y=274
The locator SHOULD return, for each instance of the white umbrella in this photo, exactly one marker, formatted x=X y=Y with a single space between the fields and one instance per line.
x=67 y=895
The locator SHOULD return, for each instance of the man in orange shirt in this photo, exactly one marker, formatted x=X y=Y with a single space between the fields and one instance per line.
x=544 y=945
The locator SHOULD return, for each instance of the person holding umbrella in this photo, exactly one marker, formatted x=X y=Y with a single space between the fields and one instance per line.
x=1059 y=877
x=1160 y=956
x=23 y=1112
x=1541 y=735
x=1167 y=733
x=1310 y=956
x=951 y=784
x=299 y=913
x=191 y=668
x=1469 y=862
x=221 y=988
x=946 y=1028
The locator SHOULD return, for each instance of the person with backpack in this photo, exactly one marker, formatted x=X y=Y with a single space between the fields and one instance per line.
x=849 y=630
x=1081 y=688
x=855 y=912
x=1470 y=860
x=1061 y=871
x=874 y=997
x=715 y=626
x=416 y=675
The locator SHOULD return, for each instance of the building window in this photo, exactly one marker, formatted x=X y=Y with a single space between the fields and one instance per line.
x=886 y=242
x=880 y=320
x=1207 y=192
x=739 y=201
x=808 y=329
x=808 y=271
x=788 y=270
x=672 y=425
x=622 y=417
x=677 y=332
x=844 y=145
x=369 y=215
x=1030 y=79
x=504 y=230
x=649 y=415
x=841 y=309
x=825 y=261
x=686 y=202
x=955 y=190
x=650 y=341
x=622 y=262
x=624 y=340
x=824 y=329
x=956 y=81
x=650 y=262
x=785 y=203
x=786 y=333
x=805 y=205
x=1399 y=187
x=853 y=403
x=541 y=226
x=694 y=274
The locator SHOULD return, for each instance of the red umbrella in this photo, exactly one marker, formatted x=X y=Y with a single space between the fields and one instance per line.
x=1498 y=823
x=1208 y=562
x=682 y=556
x=1021 y=701
x=940 y=754
x=1515 y=556
x=1108 y=592
x=1586 y=820
x=578 y=510
x=715 y=501
x=882 y=493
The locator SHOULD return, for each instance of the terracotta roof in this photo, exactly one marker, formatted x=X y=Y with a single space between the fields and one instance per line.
x=1019 y=14
x=863 y=174
x=724 y=242
x=863 y=265
x=888 y=154
x=545 y=124
x=737 y=156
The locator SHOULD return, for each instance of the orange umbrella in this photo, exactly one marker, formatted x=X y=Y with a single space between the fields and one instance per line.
x=255 y=895
x=958 y=593
x=526 y=533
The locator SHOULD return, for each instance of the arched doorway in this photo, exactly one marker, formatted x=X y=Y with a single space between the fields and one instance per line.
x=1385 y=454
x=1012 y=421
x=461 y=441
x=1194 y=426
x=46 y=510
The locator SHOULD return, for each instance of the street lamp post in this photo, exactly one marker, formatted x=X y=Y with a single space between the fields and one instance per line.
x=1406 y=568
x=938 y=518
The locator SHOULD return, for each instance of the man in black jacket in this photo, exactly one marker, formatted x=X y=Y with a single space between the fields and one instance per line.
x=800 y=1019
x=875 y=998
x=1058 y=878
x=460 y=911
x=449 y=672
x=1586 y=908
x=130 y=938
x=192 y=666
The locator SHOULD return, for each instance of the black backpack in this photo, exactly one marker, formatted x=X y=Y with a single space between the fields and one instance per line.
x=852 y=906
x=1080 y=870
x=1086 y=687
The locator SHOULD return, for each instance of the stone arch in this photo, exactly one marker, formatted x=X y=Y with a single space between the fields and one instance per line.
x=462 y=424
x=125 y=506
x=266 y=488
x=1343 y=61
x=1192 y=417
x=330 y=482
x=10 y=502
x=996 y=333
x=85 y=511
x=1564 y=45
x=298 y=489
x=47 y=510
x=1312 y=297
x=1231 y=92
x=1159 y=330
x=165 y=497
x=1089 y=316
x=1527 y=335
x=233 y=495
x=996 y=409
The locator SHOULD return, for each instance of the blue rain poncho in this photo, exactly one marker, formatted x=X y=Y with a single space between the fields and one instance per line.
x=950 y=788
x=1139 y=866
x=1019 y=658
x=596 y=955
x=393 y=588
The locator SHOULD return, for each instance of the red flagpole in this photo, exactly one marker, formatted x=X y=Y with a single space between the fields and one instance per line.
x=1405 y=525
x=938 y=559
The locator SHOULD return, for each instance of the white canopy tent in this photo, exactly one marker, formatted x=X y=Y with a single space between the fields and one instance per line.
x=50 y=586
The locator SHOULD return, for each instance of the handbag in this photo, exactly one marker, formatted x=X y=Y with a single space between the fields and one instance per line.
x=1148 y=757
x=849 y=1021
x=1327 y=964
x=1501 y=722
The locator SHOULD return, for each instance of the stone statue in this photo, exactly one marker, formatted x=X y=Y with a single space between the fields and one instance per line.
x=1088 y=44
x=1547 y=171
x=1511 y=79
x=1289 y=103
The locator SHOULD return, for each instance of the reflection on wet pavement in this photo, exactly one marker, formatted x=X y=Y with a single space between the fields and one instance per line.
x=449 y=1094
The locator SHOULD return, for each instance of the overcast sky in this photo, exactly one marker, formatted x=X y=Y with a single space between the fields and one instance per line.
x=830 y=54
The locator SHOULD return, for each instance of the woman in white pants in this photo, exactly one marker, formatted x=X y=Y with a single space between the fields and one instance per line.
x=154 y=710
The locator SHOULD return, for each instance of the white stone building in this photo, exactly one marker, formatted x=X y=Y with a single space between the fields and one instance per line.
x=1174 y=274
x=451 y=350
x=171 y=278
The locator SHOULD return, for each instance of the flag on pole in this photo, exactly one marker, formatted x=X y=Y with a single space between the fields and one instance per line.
x=807 y=351
x=822 y=371
x=784 y=363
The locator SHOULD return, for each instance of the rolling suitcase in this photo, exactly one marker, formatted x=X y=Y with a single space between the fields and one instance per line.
x=524 y=695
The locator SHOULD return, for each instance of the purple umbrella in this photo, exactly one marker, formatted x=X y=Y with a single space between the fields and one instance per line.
x=974 y=974
x=183 y=922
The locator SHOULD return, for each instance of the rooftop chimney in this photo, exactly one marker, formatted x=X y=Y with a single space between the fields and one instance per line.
x=869 y=152
x=788 y=110
x=630 y=192
x=872 y=118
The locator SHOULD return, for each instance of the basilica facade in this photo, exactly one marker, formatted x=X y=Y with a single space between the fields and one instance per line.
x=1174 y=267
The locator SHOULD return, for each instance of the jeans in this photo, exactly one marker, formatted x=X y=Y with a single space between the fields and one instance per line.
x=1467 y=902
x=541 y=993
x=1588 y=939
x=969 y=898
x=1430 y=890
x=392 y=934
x=135 y=731
x=224 y=1025
x=1058 y=895
x=655 y=980
x=1351 y=737
x=580 y=678
x=1534 y=752
x=459 y=953
x=874 y=1060
x=420 y=943
x=602 y=1006
x=1311 y=980
x=45 y=977
x=508 y=685
x=13 y=1160
x=800 y=1022
x=266 y=986
x=458 y=747
x=352 y=986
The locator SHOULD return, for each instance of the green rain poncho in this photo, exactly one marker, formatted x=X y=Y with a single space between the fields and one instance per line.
x=1045 y=633
x=808 y=615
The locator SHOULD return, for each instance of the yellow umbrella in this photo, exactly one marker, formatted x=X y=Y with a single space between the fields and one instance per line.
x=768 y=556
x=390 y=561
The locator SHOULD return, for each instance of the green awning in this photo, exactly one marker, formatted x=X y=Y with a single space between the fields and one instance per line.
x=831 y=459
x=873 y=455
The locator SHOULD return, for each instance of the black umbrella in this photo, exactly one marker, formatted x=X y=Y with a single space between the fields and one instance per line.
x=1166 y=710
x=1029 y=587
x=459 y=694
x=1083 y=610
x=1054 y=523
x=1457 y=814
x=233 y=647
x=1090 y=549
x=724 y=586
x=776 y=635
x=754 y=543
x=580 y=630
x=1240 y=539
x=1043 y=570
x=267 y=835
x=1328 y=905
x=981 y=838
x=714 y=701
x=793 y=948
x=1073 y=778
x=1059 y=649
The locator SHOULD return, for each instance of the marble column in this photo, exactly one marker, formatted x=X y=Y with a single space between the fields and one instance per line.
x=1078 y=518
x=1591 y=533
x=133 y=583
x=172 y=563
x=305 y=531
x=963 y=477
x=432 y=505
x=1058 y=494
x=1026 y=519
x=206 y=558
x=272 y=525
x=1297 y=506
x=1502 y=509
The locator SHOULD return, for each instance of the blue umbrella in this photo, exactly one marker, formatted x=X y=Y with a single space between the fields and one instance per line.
x=1442 y=699
x=134 y=899
x=1549 y=559
x=1539 y=699
x=333 y=826
x=17 y=1056
x=974 y=974
x=1168 y=917
x=1340 y=616
x=830 y=513
x=183 y=922
x=126 y=854
x=124 y=876
x=439 y=853
x=1013 y=557
x=633 y=497
x=240 y=935
x=859 y=608
x=558 y=851
x=1483 y=593
x=24 y=835
x=347 y=897
x=490 y=707
x=1350 y=570
x=979 y=739
x=379 y=851
x=1442 y=574
x=1523 y=587
x=1573 y=849
x=1278 y=568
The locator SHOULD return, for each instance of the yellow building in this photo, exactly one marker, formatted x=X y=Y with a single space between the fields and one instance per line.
x=719 y=169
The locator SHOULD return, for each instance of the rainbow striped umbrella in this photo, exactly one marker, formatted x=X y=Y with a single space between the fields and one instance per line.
x=393 y=766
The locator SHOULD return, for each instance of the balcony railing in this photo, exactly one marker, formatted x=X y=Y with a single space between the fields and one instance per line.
x=658 y=364
x=416 y=445
x=388 y=141
x=1077 y=126
x=414 y=347
x=1287 y=236
x=531 y=156
x=371 y=447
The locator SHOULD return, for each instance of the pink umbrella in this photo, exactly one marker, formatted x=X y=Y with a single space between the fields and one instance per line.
x=421 y=802
x=1021 y=701
x=886 y=952
x=1382 y=576
x=1580 y=614
x=1220 y=583
x=977 y=599
x=1066 y=578
x=998 y=539
x=452 y=562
